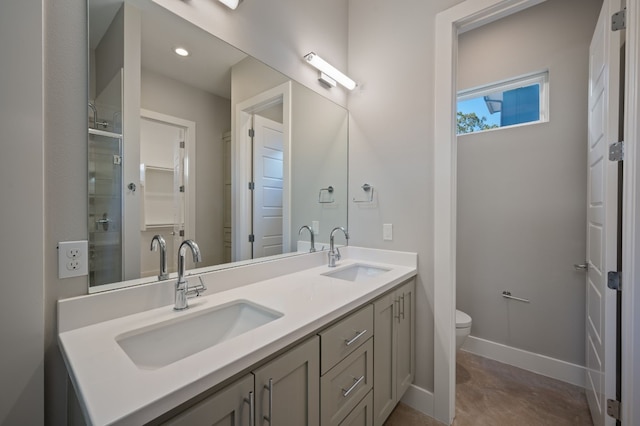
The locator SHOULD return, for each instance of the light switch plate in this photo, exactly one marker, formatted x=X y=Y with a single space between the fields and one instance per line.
x=387 y=232
x=73 y=259
x=315 y=225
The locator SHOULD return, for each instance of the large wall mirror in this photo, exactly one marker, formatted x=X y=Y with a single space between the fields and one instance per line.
x=214 y=146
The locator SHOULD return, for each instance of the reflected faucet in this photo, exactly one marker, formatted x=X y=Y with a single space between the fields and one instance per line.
x=334 y=253
x=96 y=123
x=313 y=246
x=182 y=285
x=95 y=115
x=158 y=241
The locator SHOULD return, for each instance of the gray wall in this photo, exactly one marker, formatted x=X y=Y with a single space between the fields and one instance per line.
x=212 y=115
x=22 y=211
x=391 y=141
x=522 y=191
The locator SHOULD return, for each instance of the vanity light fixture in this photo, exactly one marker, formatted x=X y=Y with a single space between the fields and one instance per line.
x=231 y=4
x=329 y=75
x=181 y=51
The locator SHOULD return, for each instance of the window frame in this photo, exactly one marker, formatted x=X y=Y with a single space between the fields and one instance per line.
x=538 y=77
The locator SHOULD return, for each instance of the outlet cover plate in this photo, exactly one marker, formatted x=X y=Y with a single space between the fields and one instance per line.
x=387 y=232
x=73 y=258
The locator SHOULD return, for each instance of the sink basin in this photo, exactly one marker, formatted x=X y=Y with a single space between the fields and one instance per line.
x=356 y=272
x=164 y=343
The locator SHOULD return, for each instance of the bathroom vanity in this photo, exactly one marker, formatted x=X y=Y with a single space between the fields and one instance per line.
x=289 y=340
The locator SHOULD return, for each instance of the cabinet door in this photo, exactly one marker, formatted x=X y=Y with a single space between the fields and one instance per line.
x=384 y=358
x=228 y=407
x=405 y=330
x=290 y=386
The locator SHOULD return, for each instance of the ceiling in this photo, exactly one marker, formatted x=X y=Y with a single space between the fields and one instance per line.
x=208 y=65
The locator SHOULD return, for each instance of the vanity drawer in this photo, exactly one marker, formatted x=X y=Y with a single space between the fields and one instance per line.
x=345 y=385
x=362 y=415
x=343 y=338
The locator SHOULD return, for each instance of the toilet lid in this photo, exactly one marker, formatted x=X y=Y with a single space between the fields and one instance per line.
x=462 y=320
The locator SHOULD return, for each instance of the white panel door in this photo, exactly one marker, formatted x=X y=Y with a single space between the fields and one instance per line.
x=268 y=175
x=602 y=190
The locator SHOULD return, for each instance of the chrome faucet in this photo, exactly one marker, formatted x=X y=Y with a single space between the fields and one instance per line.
x=313 y=246
x=334 y=253
x=158 y=241
x=182 y=285
x=95 y=115
x=96 y=123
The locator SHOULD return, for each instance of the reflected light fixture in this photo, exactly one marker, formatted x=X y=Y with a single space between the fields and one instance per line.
x=181 y=51
x=231 y=4
x=329 y=75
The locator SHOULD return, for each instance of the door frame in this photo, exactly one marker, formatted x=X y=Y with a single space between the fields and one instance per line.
x=241 y=170
x=631 y=222
x=189 y=165
x=463 y=17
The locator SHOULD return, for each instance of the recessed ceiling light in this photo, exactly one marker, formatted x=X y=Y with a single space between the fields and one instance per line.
x=181 y=51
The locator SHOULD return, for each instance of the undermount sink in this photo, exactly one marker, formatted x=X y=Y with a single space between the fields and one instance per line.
x=356 y=272
x=164 y=343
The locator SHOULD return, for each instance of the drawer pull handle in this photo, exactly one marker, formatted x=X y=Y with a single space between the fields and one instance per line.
x=356 y=337
x=346 y=392
x=269 y=387
x=251 y=401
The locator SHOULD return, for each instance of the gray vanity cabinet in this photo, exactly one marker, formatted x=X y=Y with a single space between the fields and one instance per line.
x=347 y=366
x=394 y=348
x=228 y=407
x=287 y=387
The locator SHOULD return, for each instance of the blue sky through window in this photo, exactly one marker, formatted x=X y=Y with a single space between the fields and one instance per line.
x=479 y=106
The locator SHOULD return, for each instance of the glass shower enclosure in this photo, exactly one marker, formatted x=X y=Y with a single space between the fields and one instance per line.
x=105 y=207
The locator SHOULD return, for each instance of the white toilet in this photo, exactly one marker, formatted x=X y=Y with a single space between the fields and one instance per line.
x=463 y=327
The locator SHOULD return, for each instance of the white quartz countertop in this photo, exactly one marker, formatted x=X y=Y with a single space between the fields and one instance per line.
x=112 y=390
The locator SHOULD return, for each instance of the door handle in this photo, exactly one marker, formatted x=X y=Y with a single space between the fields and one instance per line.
x=581 y=266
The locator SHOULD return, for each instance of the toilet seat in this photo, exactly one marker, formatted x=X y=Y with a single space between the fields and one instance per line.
x=462 y=319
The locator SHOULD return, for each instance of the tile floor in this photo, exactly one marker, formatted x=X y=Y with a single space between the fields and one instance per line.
x=494 y=394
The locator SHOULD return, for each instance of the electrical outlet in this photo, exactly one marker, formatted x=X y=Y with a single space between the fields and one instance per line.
x=315 y=225
x=72 y=258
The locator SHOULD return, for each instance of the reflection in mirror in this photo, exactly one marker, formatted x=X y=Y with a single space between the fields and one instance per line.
x=214 y=146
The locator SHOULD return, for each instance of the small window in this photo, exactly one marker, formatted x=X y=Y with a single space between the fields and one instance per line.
x=510 y=103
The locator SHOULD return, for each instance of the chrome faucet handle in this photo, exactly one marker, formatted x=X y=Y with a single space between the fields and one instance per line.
x=196 y=290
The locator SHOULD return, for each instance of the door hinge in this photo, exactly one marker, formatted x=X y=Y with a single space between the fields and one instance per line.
x=613 y=408
x=251 y=238
x=614 y=281
x=252 y=133
x=616 y=151
x=181 y=188
x=182 y=144
x=619 y=20
x=181 y=233
x=252 y=186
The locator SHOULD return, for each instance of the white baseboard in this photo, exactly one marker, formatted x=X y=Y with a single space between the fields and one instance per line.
x=540 y=364
x=419 y=399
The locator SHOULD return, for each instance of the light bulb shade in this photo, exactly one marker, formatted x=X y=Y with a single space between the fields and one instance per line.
x=231 y=4
x=328 y=69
